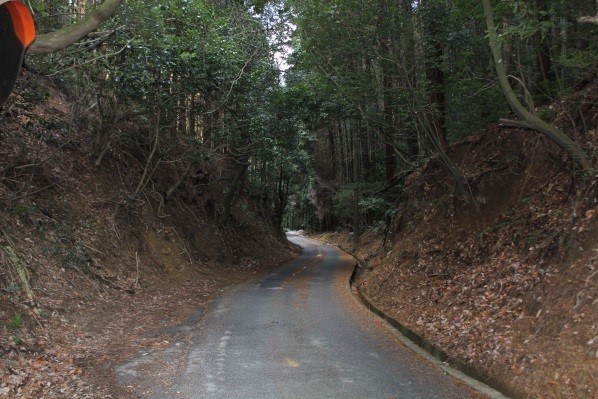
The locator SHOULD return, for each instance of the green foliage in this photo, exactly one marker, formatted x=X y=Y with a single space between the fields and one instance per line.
x=377 y=206
x=34 y=93
x=386 y=74
x=343 y=200
x=581 y=59
x=24 y=211
x=17 y=340
x=546 y=114
x=76 y=257
x=54 y=251
x=528 y=21
x=373 y=208
x=374 y=89
x=202 y=74
x=54 y=124
x=16 y=322
x=11 y=288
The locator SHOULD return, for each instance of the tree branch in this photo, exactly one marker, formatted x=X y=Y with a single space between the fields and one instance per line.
x=512 y=123
x=90 y=61
x=590 y=20
x=553 y=133
x=66 y=36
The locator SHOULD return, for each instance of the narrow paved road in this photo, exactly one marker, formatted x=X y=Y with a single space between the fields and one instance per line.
x=298 y=333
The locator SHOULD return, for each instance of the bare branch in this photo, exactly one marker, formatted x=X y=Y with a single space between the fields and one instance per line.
x=91 y=61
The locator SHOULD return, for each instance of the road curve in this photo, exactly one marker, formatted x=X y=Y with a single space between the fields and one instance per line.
x=298 y=333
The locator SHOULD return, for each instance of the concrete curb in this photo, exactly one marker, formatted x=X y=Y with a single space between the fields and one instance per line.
x=476 y=379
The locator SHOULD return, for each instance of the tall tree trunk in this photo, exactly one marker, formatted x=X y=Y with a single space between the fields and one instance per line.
x=148 y=170
x=333 y=154
x=529 y=120
x=541 y=46
x=192 y=116
x=406 y=53
x=388 y=132
x=232 y=191
x=283 y=195
x=387 y=68
x=434 y=72
x=356 y=212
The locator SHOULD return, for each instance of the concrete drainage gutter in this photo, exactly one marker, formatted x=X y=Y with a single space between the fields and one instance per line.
x=477 y=379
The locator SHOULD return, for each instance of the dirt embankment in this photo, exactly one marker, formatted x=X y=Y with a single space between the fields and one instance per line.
x=110 y=276
x=506 y=280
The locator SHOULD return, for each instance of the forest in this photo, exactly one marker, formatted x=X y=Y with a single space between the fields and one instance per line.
x=377 y=90
x=440 y=141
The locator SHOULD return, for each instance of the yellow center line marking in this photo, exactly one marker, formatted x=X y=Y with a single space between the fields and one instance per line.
x=291 y=363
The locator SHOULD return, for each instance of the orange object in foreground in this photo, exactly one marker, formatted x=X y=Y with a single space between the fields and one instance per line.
x=17 y=32
x=22 y=22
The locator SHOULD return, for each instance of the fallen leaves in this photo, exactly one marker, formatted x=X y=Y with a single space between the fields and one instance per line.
x=509 y=286
x=54 y=374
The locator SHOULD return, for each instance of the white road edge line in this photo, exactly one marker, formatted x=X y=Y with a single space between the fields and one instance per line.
x=470 y=381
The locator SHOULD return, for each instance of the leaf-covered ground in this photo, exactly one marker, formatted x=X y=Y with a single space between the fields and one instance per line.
x=506 y=279
x=111 y=277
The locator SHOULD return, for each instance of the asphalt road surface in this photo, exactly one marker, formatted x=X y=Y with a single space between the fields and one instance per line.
x=299 y=333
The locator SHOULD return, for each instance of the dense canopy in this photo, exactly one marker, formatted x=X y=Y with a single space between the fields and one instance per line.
x=321 y=108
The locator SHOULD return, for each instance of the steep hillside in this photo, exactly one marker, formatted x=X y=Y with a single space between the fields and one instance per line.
x=110 y=272
x=504 y=280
